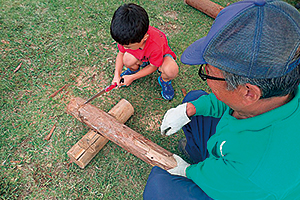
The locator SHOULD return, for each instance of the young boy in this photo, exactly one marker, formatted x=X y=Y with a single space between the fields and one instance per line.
x=143 y=49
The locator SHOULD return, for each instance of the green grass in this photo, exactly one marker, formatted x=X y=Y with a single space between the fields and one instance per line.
x=68 y=42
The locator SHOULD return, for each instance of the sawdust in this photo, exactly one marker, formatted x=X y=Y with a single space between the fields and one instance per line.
x=152 y=123
x=90 y=78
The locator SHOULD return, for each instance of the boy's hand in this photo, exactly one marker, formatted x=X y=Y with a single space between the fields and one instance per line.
x=117 y=79
x=128 y=79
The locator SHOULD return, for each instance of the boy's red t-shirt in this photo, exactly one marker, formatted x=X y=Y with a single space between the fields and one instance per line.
x=154 y=50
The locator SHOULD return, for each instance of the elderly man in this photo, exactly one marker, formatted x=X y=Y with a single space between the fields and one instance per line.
x=243 y=139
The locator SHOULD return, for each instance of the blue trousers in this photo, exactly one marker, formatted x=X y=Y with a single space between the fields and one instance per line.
x=162 y=185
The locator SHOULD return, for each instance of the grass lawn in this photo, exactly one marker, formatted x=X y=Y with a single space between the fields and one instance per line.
x=45 y=45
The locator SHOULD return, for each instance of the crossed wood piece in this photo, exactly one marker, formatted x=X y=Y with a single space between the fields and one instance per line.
x=109 y=126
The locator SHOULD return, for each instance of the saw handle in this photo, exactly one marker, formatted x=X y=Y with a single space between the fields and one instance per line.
x=109 y=88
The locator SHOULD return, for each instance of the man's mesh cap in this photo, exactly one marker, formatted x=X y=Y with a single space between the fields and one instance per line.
x=255 y=39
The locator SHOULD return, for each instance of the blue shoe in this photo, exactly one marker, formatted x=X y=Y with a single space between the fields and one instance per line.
x=144 y=64
x=167 y=89
x=129 y=72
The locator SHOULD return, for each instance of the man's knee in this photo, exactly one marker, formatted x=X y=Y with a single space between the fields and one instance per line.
x=163 y=186
x=193 y=95
x=155 y=184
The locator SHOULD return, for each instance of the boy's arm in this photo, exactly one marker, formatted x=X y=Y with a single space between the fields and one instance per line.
x=118 y=68
x=143 y=72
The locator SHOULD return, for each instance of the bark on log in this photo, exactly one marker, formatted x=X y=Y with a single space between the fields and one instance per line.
x=206 y=6
x=92 y=142
x=120 y=134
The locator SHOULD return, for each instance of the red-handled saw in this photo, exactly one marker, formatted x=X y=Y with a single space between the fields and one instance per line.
x=107 y=89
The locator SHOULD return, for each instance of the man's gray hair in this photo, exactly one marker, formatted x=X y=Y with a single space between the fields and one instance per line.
x=273 y=87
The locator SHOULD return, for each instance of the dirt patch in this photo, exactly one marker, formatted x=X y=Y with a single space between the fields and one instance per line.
x=171 y=14
x=169 y=27
x=41 y=177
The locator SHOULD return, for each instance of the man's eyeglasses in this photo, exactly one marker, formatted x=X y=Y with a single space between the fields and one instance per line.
x=204 y=76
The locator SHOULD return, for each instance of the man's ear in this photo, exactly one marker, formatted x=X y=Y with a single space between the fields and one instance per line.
x=252 y=93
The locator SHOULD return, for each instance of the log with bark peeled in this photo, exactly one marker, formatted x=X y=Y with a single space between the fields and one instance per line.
x=92 y=142
x=206 y=6
x=120 y=134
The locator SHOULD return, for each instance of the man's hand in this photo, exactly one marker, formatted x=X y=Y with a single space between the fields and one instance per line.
x=174 y=120
x=180 y=168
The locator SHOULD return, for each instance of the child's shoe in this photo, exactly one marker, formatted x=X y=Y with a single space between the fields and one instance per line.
x=167 y=89
x=129 y=72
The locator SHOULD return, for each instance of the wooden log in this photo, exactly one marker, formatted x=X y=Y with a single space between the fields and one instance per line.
x=92 y=142
x=206 y=6
x=120 y=134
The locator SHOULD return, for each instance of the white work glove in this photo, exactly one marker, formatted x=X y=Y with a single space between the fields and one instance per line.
x=180 y=168
x=174 y=120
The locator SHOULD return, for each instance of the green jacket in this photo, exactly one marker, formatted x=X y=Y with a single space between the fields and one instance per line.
x=254 y=158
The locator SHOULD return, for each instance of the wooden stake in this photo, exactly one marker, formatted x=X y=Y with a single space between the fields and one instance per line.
x=55 y=93
x=92 y=142
x=120 y=134
x=206 y=6
x=19 y=66
x=183 y=92
x=47 y=137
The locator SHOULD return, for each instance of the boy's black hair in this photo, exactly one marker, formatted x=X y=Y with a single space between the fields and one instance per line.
x=129 y=24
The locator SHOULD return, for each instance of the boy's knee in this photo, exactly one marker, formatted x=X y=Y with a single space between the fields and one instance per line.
x=193 y=95
x=129 y=60
x=169 y=68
